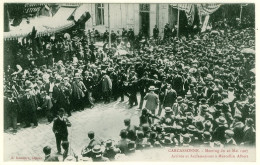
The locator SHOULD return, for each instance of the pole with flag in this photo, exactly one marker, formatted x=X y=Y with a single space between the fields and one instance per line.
x=109 y=40
x=178 y=21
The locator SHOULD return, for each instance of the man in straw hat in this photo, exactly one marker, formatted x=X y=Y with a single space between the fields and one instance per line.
x=98 y=154
x=152 y=100
x=78 y=92
x=179 y=107
x=229 y=142
x=110 y=151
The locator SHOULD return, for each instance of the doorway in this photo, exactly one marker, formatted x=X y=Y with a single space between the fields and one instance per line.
x=145 y=19
x=145 y=23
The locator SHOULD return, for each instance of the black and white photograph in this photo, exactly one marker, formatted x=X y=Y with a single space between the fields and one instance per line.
x=120 y=82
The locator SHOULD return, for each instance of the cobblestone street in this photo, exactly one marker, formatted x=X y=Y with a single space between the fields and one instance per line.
x=105 y=119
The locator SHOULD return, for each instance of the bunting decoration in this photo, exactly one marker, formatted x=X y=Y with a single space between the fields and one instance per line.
x=203 y=9
x=207 y=9
x=189 y=10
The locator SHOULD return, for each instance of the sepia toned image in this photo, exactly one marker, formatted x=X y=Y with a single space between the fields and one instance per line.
x=97 y=82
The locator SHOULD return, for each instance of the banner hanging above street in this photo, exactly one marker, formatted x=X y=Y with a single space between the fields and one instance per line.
x=203 y=9
x=207 y=9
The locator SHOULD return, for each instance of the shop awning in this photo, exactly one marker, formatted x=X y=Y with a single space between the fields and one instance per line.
x=61 y=19
x=82 y=13
x=44 y=25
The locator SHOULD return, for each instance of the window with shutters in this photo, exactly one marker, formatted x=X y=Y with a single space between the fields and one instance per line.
x=100 y=14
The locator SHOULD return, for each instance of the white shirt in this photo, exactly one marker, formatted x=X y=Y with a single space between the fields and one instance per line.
x=51 y=87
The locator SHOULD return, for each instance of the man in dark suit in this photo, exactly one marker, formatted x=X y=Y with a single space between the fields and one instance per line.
x=93 y=141
x=106 y=86
x=178 y=84
x=29 y=106
x=170 y=96
x=87 y=150
x=11 y=110
x=59 y=97
x=123 y=142
x=48 y=156
x=49 y=85
x=60 y=129
x=155 y=32
x=219 y=133
x=131 y=130
x=249 y=133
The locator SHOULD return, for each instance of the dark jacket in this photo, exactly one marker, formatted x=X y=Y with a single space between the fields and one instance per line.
x=219 y=134
x=249 y=136
x=60 y=126
x=29 y=104
x=51 y=158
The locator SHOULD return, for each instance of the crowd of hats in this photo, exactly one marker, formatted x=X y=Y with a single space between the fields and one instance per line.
x=207 y=61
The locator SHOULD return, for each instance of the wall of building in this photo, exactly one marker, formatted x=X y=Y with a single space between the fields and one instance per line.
x=163 y=17
x=121 y=16
x=128 y=16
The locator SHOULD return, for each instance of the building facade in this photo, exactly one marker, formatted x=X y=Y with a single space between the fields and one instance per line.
x=135 y=16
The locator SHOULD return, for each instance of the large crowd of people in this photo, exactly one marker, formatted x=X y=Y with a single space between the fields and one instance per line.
x=204 y=83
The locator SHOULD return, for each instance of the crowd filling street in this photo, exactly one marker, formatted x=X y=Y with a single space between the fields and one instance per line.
x=196 y=90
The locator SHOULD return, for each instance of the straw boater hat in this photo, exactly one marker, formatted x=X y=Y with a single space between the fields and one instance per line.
x=221 y=120
x=152 y=88
x=186 y=138
x=179 y=99
x=167 y=140
x=77 y=76
x=109 y=144
x=206 y=135
x=131 y=146
x=168 y=110
x=97 y=149
x=192 y=128
x=204 y=108
x=230 y=133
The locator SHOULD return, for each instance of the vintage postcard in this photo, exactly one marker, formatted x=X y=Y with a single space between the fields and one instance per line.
x=124 y=82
